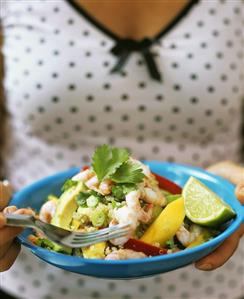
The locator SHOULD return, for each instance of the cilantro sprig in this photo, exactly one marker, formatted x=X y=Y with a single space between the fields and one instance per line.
x=113 y=163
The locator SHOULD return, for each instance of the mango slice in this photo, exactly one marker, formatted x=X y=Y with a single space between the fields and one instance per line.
x=166 y=224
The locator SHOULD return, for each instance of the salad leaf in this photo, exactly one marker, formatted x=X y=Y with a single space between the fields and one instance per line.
x=68 y=184
x=128 y=173
x=107 y=160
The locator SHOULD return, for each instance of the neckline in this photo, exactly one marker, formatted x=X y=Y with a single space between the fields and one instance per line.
x=172 y=23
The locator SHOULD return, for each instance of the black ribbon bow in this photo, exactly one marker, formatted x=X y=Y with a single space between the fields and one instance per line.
x=125 y=47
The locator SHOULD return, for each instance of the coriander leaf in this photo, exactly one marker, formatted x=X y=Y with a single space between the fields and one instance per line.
x=106 y=160
x=119 y=156
x=100 y=160
x=81 y=199
x=128 y=173
x=68 y=184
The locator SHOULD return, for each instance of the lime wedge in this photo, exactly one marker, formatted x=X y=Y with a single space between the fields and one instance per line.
x=203 y=206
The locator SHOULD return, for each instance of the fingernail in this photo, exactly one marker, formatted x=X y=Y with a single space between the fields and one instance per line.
x=205 y=267
x=241 y=191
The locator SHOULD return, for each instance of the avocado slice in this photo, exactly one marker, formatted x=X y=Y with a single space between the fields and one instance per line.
x=67 y=206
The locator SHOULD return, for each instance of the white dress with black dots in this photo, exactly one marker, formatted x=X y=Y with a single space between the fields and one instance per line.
x=63 y=101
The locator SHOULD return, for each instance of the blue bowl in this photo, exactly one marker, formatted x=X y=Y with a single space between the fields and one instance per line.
x=35 y=194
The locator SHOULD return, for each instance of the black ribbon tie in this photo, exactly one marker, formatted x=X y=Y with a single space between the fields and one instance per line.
x=125 y=47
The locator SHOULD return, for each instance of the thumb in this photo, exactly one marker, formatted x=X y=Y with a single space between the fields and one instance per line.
x=5 y=193
x=240 y=192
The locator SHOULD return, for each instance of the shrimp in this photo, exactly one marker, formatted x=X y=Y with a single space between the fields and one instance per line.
x=105 y=187
x=48 y=210
x=131 y=214
x=125 y=254
x=83 y=176
x=92 y=183
x=132 y=200
x=185 y=236
x=124 y=215
x=145 y=169
x=155 y=196
x=15 y=210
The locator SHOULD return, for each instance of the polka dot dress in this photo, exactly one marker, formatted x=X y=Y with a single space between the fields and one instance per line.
x=63 y=101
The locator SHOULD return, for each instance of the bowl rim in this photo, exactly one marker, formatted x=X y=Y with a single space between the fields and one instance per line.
x=42 y=252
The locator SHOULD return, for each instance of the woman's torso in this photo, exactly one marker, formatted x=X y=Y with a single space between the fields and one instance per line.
x=63 y=102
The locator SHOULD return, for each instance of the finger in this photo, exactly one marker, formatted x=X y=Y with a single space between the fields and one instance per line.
x=229 y=170
x=240 y=192
x=9 y=209
x=8 y=259
x=9 y=233
x=2 y=221
x=24 y=211
x=220 y=255
x=5 y=193
x=5 y=248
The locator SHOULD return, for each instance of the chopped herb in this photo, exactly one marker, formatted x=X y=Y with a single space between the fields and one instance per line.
x=81 y=199
x=99 y=196
x=121 y=190
x=92 y=201
x=170 y=243
x=99 y=218
x=68 y=184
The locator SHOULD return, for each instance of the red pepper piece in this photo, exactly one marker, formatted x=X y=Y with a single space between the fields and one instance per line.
x=85 y=167
x=168 y=185
x=140 y=246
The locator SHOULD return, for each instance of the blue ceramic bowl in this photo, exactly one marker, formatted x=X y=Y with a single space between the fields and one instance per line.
x=35 y=194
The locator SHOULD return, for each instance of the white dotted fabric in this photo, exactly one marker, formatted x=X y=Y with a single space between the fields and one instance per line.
x=63 y=102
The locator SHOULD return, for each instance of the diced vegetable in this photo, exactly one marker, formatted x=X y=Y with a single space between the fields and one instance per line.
x=168 y=185
x=92 y=201
x=121 y=190
x=75 y=224
x=156 y=212
x=140 y=246
x=45 y=243
x=166 y=225
x=81 y=199
x=170 y=243
x=202 y=238
x=172 y=197
x=98 y=218
x=96 y=251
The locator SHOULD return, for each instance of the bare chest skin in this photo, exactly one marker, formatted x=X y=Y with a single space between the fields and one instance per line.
x=134 y=19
